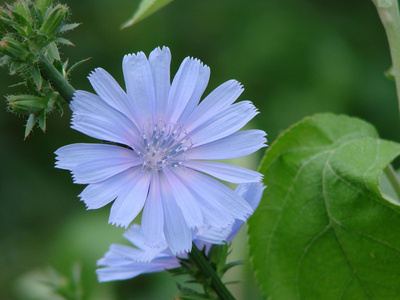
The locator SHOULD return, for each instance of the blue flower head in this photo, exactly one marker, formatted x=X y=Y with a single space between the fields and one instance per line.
x=158 y=142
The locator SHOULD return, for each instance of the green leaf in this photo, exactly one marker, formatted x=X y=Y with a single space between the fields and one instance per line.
x=52 y=52
x=232 y=264
x=217 y=256
x=69 y=27
x=63 y=41
x=43 y=5
x=145 y=9
x=36 y=76
x=323 y=229
x=30 y=123
x=74 y=66
x=4 y=60
x=42 y=121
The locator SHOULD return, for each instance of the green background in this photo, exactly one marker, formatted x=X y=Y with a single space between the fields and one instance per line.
x=294 y=58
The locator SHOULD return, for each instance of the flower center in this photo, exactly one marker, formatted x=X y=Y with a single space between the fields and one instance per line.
x=164 y=146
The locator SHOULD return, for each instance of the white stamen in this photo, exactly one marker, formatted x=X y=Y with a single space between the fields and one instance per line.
x=165 y=146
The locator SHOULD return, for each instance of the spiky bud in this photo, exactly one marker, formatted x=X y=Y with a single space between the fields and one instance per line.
x=16 y=50
x=26 y=104
x=54 y=20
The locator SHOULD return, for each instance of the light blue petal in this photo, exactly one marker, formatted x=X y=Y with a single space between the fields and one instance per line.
x=225 y=172
x=134 y=269
x=185 y=200
x=214 y=212
x=214 y=235
x=92 y=163
x=186 y=88
x=97 y=195
x=140 y=86
x=124 y=272
x=93 y=117
x=130 y=201
x=236 y=145
x=119 y=255
x=223 y=124
x=214 y=192
x=176 y=231
x=135 y=235
x=160 y=60
x=100 y=169
x=111 y=92
x=218 y=100
x=145 y=252
x=68 y=157
x=153 y=215
x=201 y=84
x=251 y=192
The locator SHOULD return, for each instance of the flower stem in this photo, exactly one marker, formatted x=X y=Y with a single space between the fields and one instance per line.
x=388 y=11
x=204 y=266
x=393 y=179
x=49 y=72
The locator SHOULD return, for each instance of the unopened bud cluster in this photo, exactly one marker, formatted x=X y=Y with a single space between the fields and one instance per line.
x=30 y=31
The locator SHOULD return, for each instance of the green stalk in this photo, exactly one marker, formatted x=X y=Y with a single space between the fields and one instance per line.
x=388 y=11
x=205 y=268
x=392 y=177
x=58 y=81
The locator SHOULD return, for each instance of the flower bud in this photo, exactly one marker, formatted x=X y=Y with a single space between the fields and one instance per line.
x=26 y=104
x=54 y=20
x=15 y=49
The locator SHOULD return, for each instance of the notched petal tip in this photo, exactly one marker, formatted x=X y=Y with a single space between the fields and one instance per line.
x=181 y=252
x=160 y=51
x=94 y=72
x=118 y=223
x=60 y=165
x=190 y=59
x=137 y=55
x=231 y=83
x=236 y=82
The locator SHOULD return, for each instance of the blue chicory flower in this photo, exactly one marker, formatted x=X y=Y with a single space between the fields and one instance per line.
x=159 y=139
x=124 y=262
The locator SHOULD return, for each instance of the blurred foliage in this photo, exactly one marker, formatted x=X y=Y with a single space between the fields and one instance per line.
x=294 y=58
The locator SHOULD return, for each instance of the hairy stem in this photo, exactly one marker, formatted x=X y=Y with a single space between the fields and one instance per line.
x=204 y=266
x=388 y=11
x=58 y=81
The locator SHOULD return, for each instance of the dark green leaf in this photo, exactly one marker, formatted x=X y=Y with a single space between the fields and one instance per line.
x=323 y=229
